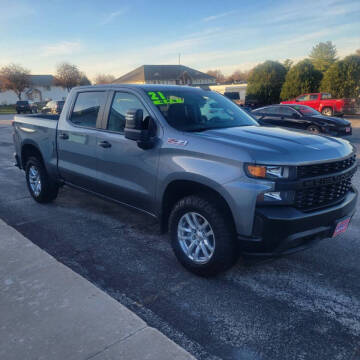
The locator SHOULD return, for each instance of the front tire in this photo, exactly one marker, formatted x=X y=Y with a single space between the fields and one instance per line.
x=40 y=186
x=202 y=236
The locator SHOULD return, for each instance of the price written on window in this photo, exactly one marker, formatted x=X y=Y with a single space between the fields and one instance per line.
x=158 y=98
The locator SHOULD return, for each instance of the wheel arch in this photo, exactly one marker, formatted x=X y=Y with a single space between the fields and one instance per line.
x=330 y=106
x=178 y=189
x=29 y=149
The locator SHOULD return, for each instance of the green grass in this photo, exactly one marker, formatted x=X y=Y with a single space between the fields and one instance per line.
x=7 y=109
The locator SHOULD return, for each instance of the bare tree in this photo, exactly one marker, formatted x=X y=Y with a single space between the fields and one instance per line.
x=358 y=52
x=68 y=76
x=217 y=74
x=16 y=78
x=84 y=80
x=238 y=76
x=104 y=79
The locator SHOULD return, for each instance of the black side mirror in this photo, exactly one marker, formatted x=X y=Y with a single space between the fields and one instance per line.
x=138 y=130
x=296 y=116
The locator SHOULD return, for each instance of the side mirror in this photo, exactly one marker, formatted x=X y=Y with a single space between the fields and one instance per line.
x=296 y=116
x=138 y=130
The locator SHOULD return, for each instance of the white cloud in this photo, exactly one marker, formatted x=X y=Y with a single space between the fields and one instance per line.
x=218 y=16
x=112 y=16
x=320 y=11
x=60 y=48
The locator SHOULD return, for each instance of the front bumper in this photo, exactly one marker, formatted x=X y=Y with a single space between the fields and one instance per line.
x=338 y=131
x=281 y=230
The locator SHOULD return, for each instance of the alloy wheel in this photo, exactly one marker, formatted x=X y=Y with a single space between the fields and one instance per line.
x=196 y=237
x=35 y=180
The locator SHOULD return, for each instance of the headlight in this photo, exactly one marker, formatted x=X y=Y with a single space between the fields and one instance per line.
x=268 y=172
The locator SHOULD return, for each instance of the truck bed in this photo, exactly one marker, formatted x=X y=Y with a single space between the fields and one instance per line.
x=39 y=129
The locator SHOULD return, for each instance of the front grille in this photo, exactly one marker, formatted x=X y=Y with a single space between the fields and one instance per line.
x=306 y=171
x=322 y=195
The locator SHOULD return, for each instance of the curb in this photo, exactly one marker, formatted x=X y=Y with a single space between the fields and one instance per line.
x=50 y=312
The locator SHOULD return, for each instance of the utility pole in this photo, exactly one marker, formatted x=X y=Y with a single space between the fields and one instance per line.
x=179 y=58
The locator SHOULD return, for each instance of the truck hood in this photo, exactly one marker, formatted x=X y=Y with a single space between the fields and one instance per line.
x=279 y=146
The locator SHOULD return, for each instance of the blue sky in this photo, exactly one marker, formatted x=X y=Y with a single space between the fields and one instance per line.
x=117 y=36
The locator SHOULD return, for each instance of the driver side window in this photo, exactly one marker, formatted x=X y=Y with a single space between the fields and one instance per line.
x=123 y=102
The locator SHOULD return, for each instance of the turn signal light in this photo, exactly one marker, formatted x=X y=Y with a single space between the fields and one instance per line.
x=257 y=171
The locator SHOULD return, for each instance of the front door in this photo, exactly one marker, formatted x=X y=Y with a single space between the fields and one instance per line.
x=126 y=173
x=77 y=140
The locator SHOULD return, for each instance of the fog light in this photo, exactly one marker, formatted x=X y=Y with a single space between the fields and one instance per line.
x=281 y=197
x=272 y=196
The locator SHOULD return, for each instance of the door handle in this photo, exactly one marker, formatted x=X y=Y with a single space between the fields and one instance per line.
x=64 y=136
x=104 y=144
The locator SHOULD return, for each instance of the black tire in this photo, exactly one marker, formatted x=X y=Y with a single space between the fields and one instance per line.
x=225 y=250
x=18 y=111
x=314 y=129
x=327 y=111
x=49 y=189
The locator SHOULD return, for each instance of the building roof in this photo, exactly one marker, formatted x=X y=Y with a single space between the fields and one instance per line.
x=162 y=72
x=42 y=80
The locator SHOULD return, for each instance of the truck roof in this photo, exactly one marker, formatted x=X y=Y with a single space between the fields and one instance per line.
x=145 y=87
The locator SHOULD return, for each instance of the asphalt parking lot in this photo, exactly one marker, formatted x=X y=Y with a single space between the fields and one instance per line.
x=305 y=306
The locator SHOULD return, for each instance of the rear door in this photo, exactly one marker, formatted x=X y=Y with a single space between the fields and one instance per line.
x=289 y=118
x=126 y=173
x=314 y=101
x=270 y=116
x=77 y=139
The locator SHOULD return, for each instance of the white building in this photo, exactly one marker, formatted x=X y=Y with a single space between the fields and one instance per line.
x=42 y=89
x=239 y=89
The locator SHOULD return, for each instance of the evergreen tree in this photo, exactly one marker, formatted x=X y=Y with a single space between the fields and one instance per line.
x=265 y=81
x=301 y=78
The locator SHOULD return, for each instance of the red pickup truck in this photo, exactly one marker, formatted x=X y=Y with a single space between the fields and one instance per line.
x=324 y=103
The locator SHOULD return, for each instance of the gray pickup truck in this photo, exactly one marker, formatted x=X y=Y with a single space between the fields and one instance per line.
x=217 y=181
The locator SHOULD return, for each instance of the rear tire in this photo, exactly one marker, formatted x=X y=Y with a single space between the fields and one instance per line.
x=327 y=111
x=200 y=253
x=40 y=186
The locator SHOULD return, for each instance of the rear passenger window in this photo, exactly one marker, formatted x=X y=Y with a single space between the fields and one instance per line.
x=121 y=104
x=286 y=111
x=87 y=108
x=326 y=96
x=273 y=110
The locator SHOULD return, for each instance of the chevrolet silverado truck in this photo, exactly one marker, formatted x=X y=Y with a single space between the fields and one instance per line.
x=324 y=103
x=217 y=181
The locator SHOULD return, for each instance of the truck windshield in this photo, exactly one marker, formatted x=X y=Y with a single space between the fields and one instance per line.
x=198 y=110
